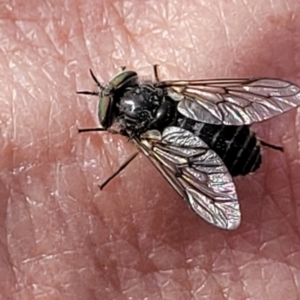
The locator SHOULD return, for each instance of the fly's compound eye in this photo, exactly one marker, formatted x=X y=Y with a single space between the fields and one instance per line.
x=123 y=79
x=104 y=111
x=108 y=99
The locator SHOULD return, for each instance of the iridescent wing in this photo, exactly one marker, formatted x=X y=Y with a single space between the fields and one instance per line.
x=233 y=101
x=196 y=172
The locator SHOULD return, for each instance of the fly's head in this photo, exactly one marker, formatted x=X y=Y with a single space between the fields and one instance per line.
x=109 y=95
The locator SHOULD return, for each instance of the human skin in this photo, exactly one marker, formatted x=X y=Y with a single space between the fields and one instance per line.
x=63 y=238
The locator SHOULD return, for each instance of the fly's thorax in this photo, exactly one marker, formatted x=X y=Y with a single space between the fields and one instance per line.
x=110 y=95
x=145 y=107
x=140 y=101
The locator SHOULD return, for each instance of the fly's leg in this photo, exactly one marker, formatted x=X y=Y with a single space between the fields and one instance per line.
x=263 y=143
x=155 y=70
x=122 y=167
x=80 y=130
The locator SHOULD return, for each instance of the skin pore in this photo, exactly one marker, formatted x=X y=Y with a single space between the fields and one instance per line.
x=63 y=238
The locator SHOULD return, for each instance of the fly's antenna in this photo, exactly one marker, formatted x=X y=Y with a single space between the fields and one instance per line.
x=101 y=87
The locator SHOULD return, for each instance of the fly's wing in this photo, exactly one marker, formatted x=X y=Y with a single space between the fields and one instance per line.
x=196 y=172
x=233 y=101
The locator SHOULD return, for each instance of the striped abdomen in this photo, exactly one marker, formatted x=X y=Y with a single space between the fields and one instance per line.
x=236 y=145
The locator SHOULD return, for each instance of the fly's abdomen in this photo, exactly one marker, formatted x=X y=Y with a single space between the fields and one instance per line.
x=236 y=145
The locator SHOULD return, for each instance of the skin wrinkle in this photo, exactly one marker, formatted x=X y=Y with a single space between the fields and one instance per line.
x=294 y=201
x=289 y=257
x=268 y=242
x=293 y=197
x=185 y=255
x=287 y=262
x=31 y=223
x=83 y=34
x=236 y=267
x=217 y=286
x=252 y=16
x=287 y=26
x=288 y=266
x=86 y=41
x=290 y=196
x=120 y=22
x=49 y=126
x=220 y=287
x=291 y=225
x=288 y=8
x=270 y=192
x=115 y=193
x=9 y=255
x=295 y=285
x=294 y=279
x=226 y=30
x=260 y=217
x=266 y=184
x=40 y=30
x=272 y=5
x=190 y=36
x=198 y=290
